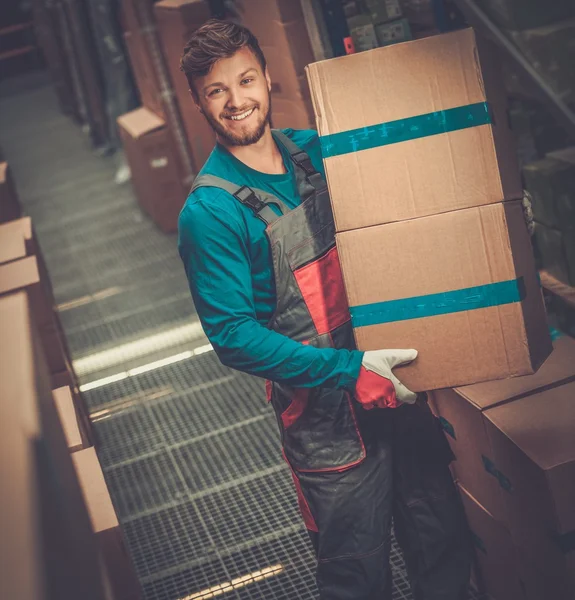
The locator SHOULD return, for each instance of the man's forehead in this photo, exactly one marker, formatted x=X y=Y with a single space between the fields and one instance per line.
x=242 y=61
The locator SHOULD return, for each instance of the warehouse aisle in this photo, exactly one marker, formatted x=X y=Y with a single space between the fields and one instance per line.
x=188 y=447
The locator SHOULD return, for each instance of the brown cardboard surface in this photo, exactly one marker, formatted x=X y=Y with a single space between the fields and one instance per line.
x=57 y=531
x=436 y=254
x=140 y=122
x=120 y=574
x=468 y=439
x=16 y=239
x=155 y=175
x=24 y=274
x=95 y=491
x=143 y=70
x=541 y=426
x=9 y=203
x=12 y=244
x=433 y=174
x=176 y=21
x=505 y=572
x=495 y=554
x=559 y=367
x=66 y=410
x=460 y=410
x=533 y=447
x=282 y=34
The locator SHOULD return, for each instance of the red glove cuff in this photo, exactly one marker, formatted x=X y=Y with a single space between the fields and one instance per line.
x=373 y=390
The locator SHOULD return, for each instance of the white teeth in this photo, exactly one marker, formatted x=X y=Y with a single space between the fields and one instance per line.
x=242 y=116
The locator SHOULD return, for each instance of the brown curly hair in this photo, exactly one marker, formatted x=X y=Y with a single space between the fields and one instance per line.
x=214 y=40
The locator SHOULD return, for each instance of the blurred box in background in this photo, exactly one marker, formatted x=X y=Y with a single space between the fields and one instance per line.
x=176 y=21
x=155 y=174
x=280 y=28
x=119 y=570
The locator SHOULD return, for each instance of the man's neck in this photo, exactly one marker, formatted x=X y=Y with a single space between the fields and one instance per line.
x=263 y=156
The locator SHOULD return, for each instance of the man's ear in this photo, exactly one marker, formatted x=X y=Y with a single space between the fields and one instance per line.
x=268 y=79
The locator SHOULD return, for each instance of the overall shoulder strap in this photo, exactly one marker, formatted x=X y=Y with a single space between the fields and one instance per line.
x=255 y=199
x=302 y=160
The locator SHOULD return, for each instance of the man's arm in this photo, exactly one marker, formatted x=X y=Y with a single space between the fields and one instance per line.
x=213 y=248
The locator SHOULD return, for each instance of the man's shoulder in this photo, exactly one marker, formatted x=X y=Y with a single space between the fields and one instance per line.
x=304 y=138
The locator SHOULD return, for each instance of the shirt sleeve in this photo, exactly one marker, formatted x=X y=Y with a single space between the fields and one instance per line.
x=213 y=246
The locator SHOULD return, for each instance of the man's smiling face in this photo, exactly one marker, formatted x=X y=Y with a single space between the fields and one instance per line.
x=235 y=98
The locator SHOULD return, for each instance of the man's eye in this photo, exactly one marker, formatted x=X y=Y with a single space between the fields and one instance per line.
x=247 y=80
x=214 y=92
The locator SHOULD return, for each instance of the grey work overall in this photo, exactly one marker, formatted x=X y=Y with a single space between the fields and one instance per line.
x=353 y=469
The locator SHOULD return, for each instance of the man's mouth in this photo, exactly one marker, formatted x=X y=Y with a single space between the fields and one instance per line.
x=241 y=116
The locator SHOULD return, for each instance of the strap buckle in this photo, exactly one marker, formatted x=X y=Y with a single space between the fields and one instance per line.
x=304 y=161
x=248 y=197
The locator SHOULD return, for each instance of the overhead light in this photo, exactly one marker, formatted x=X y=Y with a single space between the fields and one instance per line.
x=157 y=364
x=235 y=584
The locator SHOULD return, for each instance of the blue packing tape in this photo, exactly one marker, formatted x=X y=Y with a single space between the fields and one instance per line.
x=403 y=130
x=418 y=307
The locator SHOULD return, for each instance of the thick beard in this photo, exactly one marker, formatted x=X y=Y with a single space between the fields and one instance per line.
x=230 y=139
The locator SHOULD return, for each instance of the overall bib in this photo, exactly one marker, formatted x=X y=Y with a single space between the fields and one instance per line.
x=341 y=455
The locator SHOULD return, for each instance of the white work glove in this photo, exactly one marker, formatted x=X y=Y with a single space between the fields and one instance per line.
x=377 y=386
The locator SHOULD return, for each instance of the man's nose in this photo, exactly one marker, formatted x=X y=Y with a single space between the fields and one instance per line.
x=235 y=98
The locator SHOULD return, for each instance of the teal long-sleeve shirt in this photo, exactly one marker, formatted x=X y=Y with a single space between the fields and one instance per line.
x=227 y=258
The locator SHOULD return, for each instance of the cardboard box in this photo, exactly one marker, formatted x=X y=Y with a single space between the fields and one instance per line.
x=120 y=571
x=44 y=523
x=155 y=174
x=434 y=284
x=393 y=32
x=383 y=10
x=461 y=412
x=73 y=430
x=551 y=51
x=67 y=379
x=551 y=183
x=526 y=14
x=176 y=21
x=24 y=274
x=533 y=446
x=370 y=105
x=557 y=252
x=9 y=204
x=496 y=557
x=12 y=243
x=144 y=72
x=280 y=28
x=503 y=571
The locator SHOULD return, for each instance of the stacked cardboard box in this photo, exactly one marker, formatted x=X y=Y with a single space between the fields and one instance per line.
x=551 y=182
x=176 y=21
x=48 y=549
x=422 y=175
x=22 y=267
x=155 y=172
x=117 y=566
x=149 y=142
x=281 y=31
x=515 y=459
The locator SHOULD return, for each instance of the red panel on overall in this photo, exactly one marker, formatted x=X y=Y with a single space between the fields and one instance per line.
x=293 y=412
x=321 y=285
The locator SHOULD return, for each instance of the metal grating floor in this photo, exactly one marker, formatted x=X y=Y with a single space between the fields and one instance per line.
x=189 y=450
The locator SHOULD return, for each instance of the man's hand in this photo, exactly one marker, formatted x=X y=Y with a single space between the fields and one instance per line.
x=377 y=386
x=528 y=212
